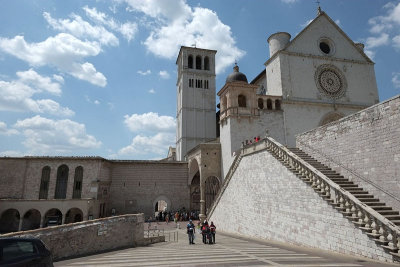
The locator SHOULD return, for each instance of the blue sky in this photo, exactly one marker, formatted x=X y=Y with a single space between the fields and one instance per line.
x=98 y=78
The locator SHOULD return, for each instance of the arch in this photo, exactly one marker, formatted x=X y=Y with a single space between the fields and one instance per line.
x=62 y=182
x=260 y=103
x=190 y=62
x=52 y=217
x=198 y=62
x=242 y=101
x=195 y=193
x=44 y=183
x=31 y=220
x=73 y=215
x=9 y=221
x=162 y=198
x=277 y=104
x=269 y=104
x=212 y=186
x=78 y=177
x=206 y=63
x=330 y=117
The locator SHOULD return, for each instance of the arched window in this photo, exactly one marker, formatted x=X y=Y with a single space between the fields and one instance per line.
x=277 y=104
x=61 y=183
x=206 y=63
x=260 y=103
x=269 y=104
x=78 y=182
x=242 y=101
x=190 y=62
x=44 y=183
x=198 y=63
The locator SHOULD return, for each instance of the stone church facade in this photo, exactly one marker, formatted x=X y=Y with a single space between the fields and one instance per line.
x=319 y=76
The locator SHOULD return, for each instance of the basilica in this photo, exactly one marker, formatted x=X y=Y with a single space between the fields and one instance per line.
x=317 y=77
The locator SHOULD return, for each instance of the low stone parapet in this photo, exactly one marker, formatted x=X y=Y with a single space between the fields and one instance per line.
x=90 y=237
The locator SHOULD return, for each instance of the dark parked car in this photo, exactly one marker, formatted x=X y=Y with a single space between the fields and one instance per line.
x=24 y=252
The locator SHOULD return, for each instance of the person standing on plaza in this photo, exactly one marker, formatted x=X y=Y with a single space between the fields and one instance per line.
x=190 y=232
x=204 y=231
x=213 y=229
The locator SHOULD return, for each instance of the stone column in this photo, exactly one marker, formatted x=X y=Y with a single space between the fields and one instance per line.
x=41 y=220
x=20 y=224
x=202 y=214
x=63 y=218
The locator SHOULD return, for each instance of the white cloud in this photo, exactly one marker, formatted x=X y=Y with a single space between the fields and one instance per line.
x=149 y=145
x=11 y=153
x=289 y=1
x=396 y=41
x=63 y=51
x=32 y=78
x=396 y=79
x=373 y=42
x=152 y=91
x=337 y=22
x=178 y=24
x=4 y=130
x=82 y=29
x=386 y=26
x=127 y=29
x=155 y=135
x=19 y=95
x=150 y=122
x=144 y=73
x=53 y=137
x=97 y=102
x=164 y=74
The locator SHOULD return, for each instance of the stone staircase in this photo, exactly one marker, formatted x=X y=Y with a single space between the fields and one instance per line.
x=346 y=184
x=377 y=220
x=375 y=229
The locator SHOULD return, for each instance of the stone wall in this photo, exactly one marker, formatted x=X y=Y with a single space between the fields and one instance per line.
x=265 y=200
x=363 y=147
x=138 y=185
x=84 y=238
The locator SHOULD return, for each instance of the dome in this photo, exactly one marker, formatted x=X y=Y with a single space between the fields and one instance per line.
x=236 y=76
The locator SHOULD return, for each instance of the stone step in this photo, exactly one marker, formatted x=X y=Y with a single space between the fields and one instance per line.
x=368 y=199
x=351 y=186
x=377 y=208
x=396 y=222
x=358 y=192
x=373 y=203
x=392 y=217
x=343 y=182
x=388 y=212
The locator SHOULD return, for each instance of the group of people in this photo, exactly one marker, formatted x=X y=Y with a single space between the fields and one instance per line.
x=251 y=141
x=206 y=230
x=181 y=215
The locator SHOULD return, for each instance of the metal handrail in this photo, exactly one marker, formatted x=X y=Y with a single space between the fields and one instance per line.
x=351 y=171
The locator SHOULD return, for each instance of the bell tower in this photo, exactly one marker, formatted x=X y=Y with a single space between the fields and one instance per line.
x=195 y=114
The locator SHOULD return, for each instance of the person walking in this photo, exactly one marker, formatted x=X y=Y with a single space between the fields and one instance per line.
x=190 y=232
x=204 y=231
x=213 y=229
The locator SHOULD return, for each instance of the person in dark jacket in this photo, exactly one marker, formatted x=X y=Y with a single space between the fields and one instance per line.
x=190 y=232
x=204 y=231
x=213 y=229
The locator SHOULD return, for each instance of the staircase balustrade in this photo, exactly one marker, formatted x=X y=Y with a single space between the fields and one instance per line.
x=382 y=230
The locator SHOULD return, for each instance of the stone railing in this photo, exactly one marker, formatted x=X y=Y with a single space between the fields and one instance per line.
x=382 y=230
x=89 y=237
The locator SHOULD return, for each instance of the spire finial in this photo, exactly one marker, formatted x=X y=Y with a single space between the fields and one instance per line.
x=319 y=7
x=236 y=67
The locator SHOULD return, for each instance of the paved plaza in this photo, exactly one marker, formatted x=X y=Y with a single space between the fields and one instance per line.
x=228 y=251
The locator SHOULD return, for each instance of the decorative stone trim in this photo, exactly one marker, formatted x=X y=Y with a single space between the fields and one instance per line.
x=330 y=81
